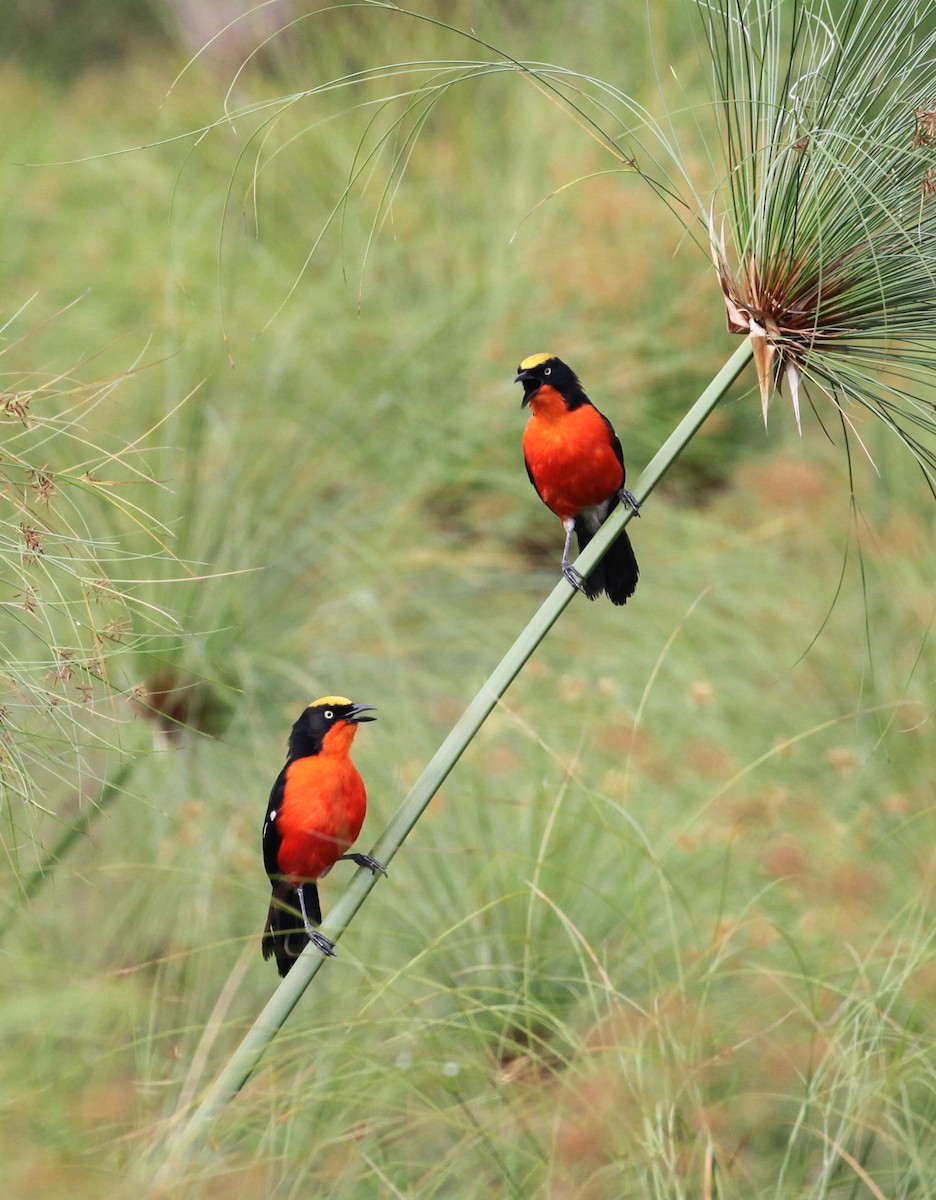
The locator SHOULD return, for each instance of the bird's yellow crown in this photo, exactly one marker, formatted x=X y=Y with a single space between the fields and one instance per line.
x=337 y=701
x=534 y=361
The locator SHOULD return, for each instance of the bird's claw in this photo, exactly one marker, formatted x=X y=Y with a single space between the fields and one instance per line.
x=576 y=578
x=320 y=941
x=629 y=498
x=368 y=861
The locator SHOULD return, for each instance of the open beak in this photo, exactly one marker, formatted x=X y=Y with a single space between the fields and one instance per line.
x=524 y=378
x=355 y=718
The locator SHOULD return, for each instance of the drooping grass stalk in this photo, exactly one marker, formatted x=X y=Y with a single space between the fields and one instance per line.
x=188 y=1135
x=69 y=619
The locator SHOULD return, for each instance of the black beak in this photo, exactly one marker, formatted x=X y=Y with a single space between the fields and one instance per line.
x=354 y=716
x=529 y=389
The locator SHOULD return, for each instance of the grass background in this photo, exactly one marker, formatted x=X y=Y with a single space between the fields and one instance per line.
x=674 y=906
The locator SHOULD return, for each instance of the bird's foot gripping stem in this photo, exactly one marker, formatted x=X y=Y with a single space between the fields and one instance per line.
x=365 y=860
x=315 y=936
x=630 y=499
x=576 y=578
x=320 y=941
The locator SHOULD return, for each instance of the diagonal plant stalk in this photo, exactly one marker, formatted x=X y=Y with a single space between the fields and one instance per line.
x=185 y=1137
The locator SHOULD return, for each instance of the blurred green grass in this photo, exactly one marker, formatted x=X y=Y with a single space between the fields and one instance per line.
x=679 y=891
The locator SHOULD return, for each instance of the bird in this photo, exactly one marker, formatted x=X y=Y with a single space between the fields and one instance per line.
x=314 y=816
x=574 y=460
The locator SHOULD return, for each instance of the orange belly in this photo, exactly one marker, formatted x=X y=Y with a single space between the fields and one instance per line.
x=320 y=816
x=571 y=459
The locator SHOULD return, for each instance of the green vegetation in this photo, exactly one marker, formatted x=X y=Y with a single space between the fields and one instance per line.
x=666 y=930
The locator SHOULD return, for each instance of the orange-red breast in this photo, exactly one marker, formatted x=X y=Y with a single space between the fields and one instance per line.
x=574 y=460
x=314 y=816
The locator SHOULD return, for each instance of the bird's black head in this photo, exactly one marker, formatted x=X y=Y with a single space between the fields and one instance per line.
x=333 y=719
x=540 y=369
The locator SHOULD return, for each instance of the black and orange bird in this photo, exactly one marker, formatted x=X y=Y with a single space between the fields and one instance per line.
x=574 y=460
x=315 y=814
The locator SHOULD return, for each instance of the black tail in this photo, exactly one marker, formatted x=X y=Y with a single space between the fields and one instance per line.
x=617 y=572
x=284 y=935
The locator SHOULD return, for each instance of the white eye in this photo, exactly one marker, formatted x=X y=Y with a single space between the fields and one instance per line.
x=547 y=371
x=328 y=714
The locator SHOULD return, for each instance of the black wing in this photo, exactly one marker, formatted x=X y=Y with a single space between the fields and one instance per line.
x=284 y=935
x=615 y=443
x=531 y=479
x=271 y=837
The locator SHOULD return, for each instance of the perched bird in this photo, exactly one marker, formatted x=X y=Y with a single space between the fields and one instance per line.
x=315 y=813
x=574 y=460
